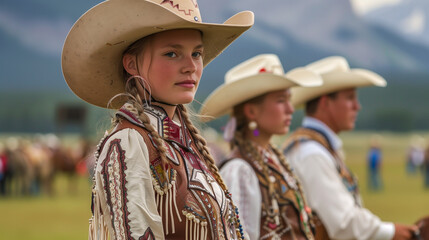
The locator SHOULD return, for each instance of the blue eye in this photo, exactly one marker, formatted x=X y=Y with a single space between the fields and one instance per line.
x=196 y=54
x=171 y=54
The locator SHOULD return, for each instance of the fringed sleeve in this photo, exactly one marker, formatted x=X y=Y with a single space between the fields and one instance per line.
x=124 y=200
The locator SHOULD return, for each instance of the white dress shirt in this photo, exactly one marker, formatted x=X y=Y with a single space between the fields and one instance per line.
x=327 y=195
x=243 y=184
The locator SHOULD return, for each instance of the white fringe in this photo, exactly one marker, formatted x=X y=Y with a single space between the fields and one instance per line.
x=187 y=220
x=97 y=228
x=167 y=196
x=195 y=228
x=170 y=200
x=204 y=230
x=160 y=206
x=165 y=206
x=174 y=198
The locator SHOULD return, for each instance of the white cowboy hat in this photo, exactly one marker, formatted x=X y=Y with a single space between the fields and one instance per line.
x=91 y=57
x=336 y=75
x=256 y=76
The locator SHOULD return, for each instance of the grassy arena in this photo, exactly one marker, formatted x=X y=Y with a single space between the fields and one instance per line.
x=65 y=216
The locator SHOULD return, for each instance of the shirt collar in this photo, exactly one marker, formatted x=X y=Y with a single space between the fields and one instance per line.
x=332 y=138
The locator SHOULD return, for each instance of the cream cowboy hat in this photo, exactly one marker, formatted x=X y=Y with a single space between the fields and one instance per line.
x=261 y=74
x=91 y=57
x=336 y=75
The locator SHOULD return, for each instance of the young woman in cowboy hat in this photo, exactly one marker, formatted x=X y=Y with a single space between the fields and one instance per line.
x=256 y=94
x=154 y=177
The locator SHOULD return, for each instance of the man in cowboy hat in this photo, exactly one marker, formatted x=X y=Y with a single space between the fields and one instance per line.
x=315 y=153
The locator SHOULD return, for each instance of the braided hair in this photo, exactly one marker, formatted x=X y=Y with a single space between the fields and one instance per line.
x=242 y=142
x=138 y=108
x=201 y=144
x=247 y=149
x=133 y=97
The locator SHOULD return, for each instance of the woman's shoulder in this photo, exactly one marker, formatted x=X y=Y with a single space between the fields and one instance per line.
x=237 y=165
x=123 y=140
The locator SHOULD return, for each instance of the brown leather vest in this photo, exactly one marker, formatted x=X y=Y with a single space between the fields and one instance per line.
x=307 y=134
x=294 y=219
x=191 y=203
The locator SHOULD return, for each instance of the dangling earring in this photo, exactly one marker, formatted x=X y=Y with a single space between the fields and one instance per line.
x=254 y=127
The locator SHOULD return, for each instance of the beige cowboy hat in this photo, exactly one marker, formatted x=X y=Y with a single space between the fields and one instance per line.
x=261 y=74
x=336 y=75
x=91 y=57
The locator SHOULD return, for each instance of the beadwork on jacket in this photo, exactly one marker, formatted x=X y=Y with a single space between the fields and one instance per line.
x=284 y=215
x=190 y=202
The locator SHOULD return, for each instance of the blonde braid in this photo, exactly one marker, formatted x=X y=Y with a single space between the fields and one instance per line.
x=135 y=99
x=159 y=142
x=201 y=144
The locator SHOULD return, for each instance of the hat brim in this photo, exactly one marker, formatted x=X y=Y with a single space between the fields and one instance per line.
x=225 y=97
x=336 y=81
x=91 y=57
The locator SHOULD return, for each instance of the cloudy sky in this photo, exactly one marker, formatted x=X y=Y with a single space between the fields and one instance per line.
x=363 y=6
x=47 y=35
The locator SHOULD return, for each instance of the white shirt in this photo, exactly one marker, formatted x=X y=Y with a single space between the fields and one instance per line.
x=243 y=184
x=130 y=187
x=326 y=193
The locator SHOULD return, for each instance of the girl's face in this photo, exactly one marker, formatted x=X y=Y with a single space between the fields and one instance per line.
x=172 y=63
x=274 y=114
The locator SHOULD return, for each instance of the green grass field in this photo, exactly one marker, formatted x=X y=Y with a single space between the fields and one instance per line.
x=65 y=215
x=404 y=198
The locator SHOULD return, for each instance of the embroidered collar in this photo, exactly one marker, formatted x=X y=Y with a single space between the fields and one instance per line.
x=168 y=129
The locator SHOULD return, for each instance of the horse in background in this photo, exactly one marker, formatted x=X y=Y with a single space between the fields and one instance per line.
x=20 y=172
x=71 y=162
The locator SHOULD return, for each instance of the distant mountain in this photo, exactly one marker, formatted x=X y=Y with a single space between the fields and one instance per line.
x=31 y=38
x=304 y=31
x=24 y=69
x=32 y=33
x=409 y=19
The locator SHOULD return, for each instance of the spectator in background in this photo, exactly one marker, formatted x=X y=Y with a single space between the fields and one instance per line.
x=426 y=168
x=3 y=162
x=415 y=155
x=374 y=159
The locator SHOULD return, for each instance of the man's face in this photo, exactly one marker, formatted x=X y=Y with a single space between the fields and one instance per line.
x=343 y=110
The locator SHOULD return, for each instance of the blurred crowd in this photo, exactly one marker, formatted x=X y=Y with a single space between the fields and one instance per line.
x=417 y=161
x=29 y=165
